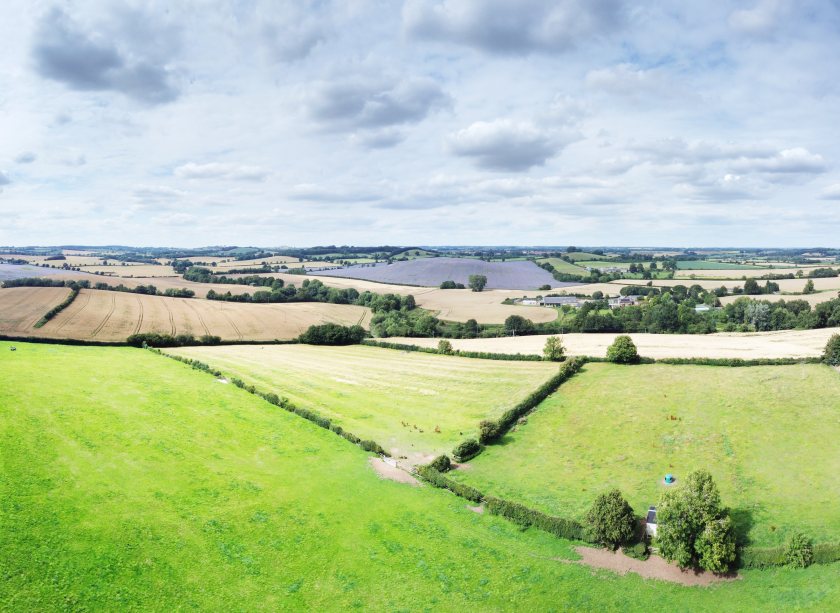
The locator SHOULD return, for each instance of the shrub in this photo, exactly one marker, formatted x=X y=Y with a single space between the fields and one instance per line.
x=610 y=519
x=442 y=463
x=466 y=450
x=639 y=551
x=799 y=552
x=832 y=350
x=444 y=347
x=488 y=431
x=826 y=553
x=623 y=351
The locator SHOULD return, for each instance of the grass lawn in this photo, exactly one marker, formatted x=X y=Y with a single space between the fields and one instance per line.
x=131 y=482
x=711 y=265
x=767 y=434
x=564 y=266
x=603 y=264
x=396 y=398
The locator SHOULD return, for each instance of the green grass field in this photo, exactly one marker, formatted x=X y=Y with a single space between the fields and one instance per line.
x=603 y=264
x=767 y=434
x=131 y=482
x=563 y=266
x=396 y=398
x=584 y=255
x=712 y=265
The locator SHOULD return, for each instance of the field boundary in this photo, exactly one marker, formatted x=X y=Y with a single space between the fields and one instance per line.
x=49 y=315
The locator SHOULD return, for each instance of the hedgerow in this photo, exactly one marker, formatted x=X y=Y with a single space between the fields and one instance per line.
x=434 y=477
x=522 y=515
x=59 y=307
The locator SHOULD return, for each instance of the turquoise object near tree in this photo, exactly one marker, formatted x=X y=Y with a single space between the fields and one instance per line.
x=669 y=478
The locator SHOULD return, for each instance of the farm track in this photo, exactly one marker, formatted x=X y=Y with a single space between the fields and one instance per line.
x=74 y=315
x=140 y=318
x=98 y=328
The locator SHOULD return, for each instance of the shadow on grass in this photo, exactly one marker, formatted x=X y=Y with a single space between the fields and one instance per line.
x=743 y=522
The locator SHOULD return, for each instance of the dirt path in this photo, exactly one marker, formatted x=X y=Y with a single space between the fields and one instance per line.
x=652 y=568
x=392 y=473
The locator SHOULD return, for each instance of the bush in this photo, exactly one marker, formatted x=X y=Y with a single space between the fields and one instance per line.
x=831 y=355
x=826 y=553
x=442 y=463
x=488 y=431
x=623 y=351
x=466 y=450
x=610 y=520
x=444 y=347
x=799 y=552
x=639 y=551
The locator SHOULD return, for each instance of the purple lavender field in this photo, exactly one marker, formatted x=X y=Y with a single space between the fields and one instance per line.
x=20 y=271
x=434 y=271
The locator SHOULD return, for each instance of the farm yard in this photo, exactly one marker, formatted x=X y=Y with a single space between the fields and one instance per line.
x=413 y=404
x=132 y=482
x=766 y=433
x=431 y=272
x=744 y=345
x=113 y=316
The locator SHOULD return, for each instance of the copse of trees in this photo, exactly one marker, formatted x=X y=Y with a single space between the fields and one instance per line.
x=153 y=339
x=332 y=334
x=451 y=285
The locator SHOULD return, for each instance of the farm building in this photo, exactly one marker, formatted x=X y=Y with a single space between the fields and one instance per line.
x=529 y=302
x=571 y=301
x=623 y=301
x=650 y=522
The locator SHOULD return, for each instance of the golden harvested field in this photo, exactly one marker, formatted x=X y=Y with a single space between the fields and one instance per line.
x=705 y=284
x=113 y=316
x=71 y=260
x=22 y=307
x=749 y=345
x=811 y=299
x=737 y=274
x=133 y=270
x=450 y=304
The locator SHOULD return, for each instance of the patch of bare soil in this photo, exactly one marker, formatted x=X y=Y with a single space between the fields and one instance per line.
x=652 y=568
x=386 y=471
x=477 y=509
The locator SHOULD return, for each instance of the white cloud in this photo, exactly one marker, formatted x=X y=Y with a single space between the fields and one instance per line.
x=217 y=170
x=831 y=192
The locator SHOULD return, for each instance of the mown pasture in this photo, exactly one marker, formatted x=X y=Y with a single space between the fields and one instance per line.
x=563 y=266
x=131 y=482
x=766 y=433
x=413 y=404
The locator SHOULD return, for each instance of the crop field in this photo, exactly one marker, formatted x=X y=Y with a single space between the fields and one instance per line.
x=132 y=270
x=563 y=266
x=131 y=482
x=713 y=265
x=19 y=271
x=740 y=272
x=584 y=255
x=745 y=345
x=603 y=264
x=113 y=316
x=767 y=434
x=450 y=304
x=431 y=272
x=22 y=307
x=413 y=404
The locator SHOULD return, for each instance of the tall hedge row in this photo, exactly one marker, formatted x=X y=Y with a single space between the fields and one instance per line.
x=769 y=557
x=436 y=478
x=522 y=515
x=59 y=307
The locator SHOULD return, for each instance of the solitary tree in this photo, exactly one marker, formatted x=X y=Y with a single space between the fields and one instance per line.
x=751 y=287
x=692 y=526
x=444 y=347
x=623 y=350
x=477 y=282
x=611 y=520
x=554 y=350
x=832 y=350
x=809 y=287
x=516 y=324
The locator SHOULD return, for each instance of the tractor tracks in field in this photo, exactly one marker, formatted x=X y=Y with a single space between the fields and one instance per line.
x=140 y=319
x=76 y=314
x=230 y=321
x=197 y=314
x=104 y=322
x=171 y=319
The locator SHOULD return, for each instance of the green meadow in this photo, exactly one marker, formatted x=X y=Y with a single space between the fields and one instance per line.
x=768 y=435
x=413 y=404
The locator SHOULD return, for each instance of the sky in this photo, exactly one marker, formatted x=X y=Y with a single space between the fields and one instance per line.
x=423 y=122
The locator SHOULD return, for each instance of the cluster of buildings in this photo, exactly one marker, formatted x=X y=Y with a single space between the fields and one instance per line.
x=575 y=302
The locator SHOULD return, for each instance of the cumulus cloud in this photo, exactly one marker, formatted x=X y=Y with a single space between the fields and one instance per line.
x=503 y=27
x=93 y=60
x=320 y=193
x=504 y=144
x=360 y=103
x=232 y=172
x=157 y=193
x=796 y=160
x=628 y=80
x=27 y=157
x=719 y=189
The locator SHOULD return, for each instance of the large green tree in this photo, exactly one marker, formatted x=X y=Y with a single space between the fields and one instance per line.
x=477 y=282
x=693 y=528
x=610 y=520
